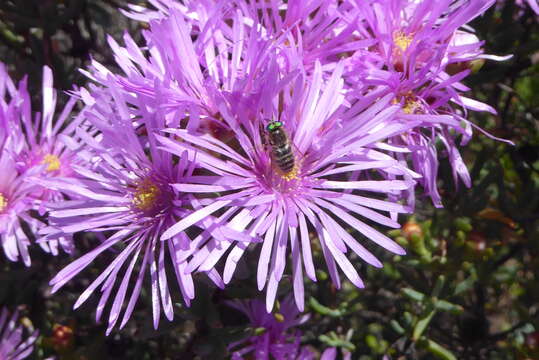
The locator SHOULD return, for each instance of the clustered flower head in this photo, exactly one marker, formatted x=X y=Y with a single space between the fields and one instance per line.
x=279 y=131
x=273 y=335
x=31 y=146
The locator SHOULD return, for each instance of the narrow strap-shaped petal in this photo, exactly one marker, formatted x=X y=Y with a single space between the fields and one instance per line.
x=297 y=271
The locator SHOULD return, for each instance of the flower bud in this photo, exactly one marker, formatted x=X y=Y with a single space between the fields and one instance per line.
x=62 y=337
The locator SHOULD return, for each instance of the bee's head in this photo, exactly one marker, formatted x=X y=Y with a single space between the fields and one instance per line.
x=274 y=126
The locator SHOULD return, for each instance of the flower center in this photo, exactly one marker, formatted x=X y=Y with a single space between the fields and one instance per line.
x=411 y=105
x=3 y=202
x=401 y=40
x=52 y=161
x=146 y=195
x=292 y=174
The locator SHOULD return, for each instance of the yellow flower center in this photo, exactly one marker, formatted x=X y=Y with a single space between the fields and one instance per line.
x=401 y=40
x=411 y=107
x=3 y=202
x=145 y=195
x=411 y=104
x=52 y=161
x=291 y=175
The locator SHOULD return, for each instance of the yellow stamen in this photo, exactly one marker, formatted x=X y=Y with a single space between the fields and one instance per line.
x=401 y=40
x=3 y=202
x=291 y=175
x=52 y=161
x=145 y=195
x=411 y=104
x=411 y=107
x=279 y=317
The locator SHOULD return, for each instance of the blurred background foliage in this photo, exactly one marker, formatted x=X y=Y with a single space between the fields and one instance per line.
x=468 y=288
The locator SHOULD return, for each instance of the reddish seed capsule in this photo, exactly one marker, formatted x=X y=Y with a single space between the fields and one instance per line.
x=410 y=229
x=62 y=337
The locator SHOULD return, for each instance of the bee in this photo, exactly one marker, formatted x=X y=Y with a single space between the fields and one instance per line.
x=281 y=149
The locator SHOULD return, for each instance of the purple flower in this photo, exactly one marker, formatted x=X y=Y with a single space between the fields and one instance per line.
x=30 y=148
x=201 y=52
x=302 y=31
x=187 y=79
x=125 y=189
x=312 y=30
x=13 y=345
x=16 y=200
x=335 y=164
x=421 y=58
x=410 y=33
x=274 y=336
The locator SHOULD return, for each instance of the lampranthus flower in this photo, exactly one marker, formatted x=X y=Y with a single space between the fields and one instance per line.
x=410 y=33
x=201 y=52
x=31 y=147
x=274 y=336
x=125 y=189
x=423 y=54
x=187 y=78
x=46 y=148
x=313 y=30
x=16 y=200
x=14 y=344
x=327 y=187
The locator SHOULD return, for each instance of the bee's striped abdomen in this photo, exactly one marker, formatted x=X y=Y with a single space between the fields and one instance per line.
x=284 y=158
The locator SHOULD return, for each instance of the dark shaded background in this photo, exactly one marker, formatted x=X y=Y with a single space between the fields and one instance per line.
x=469 y=284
